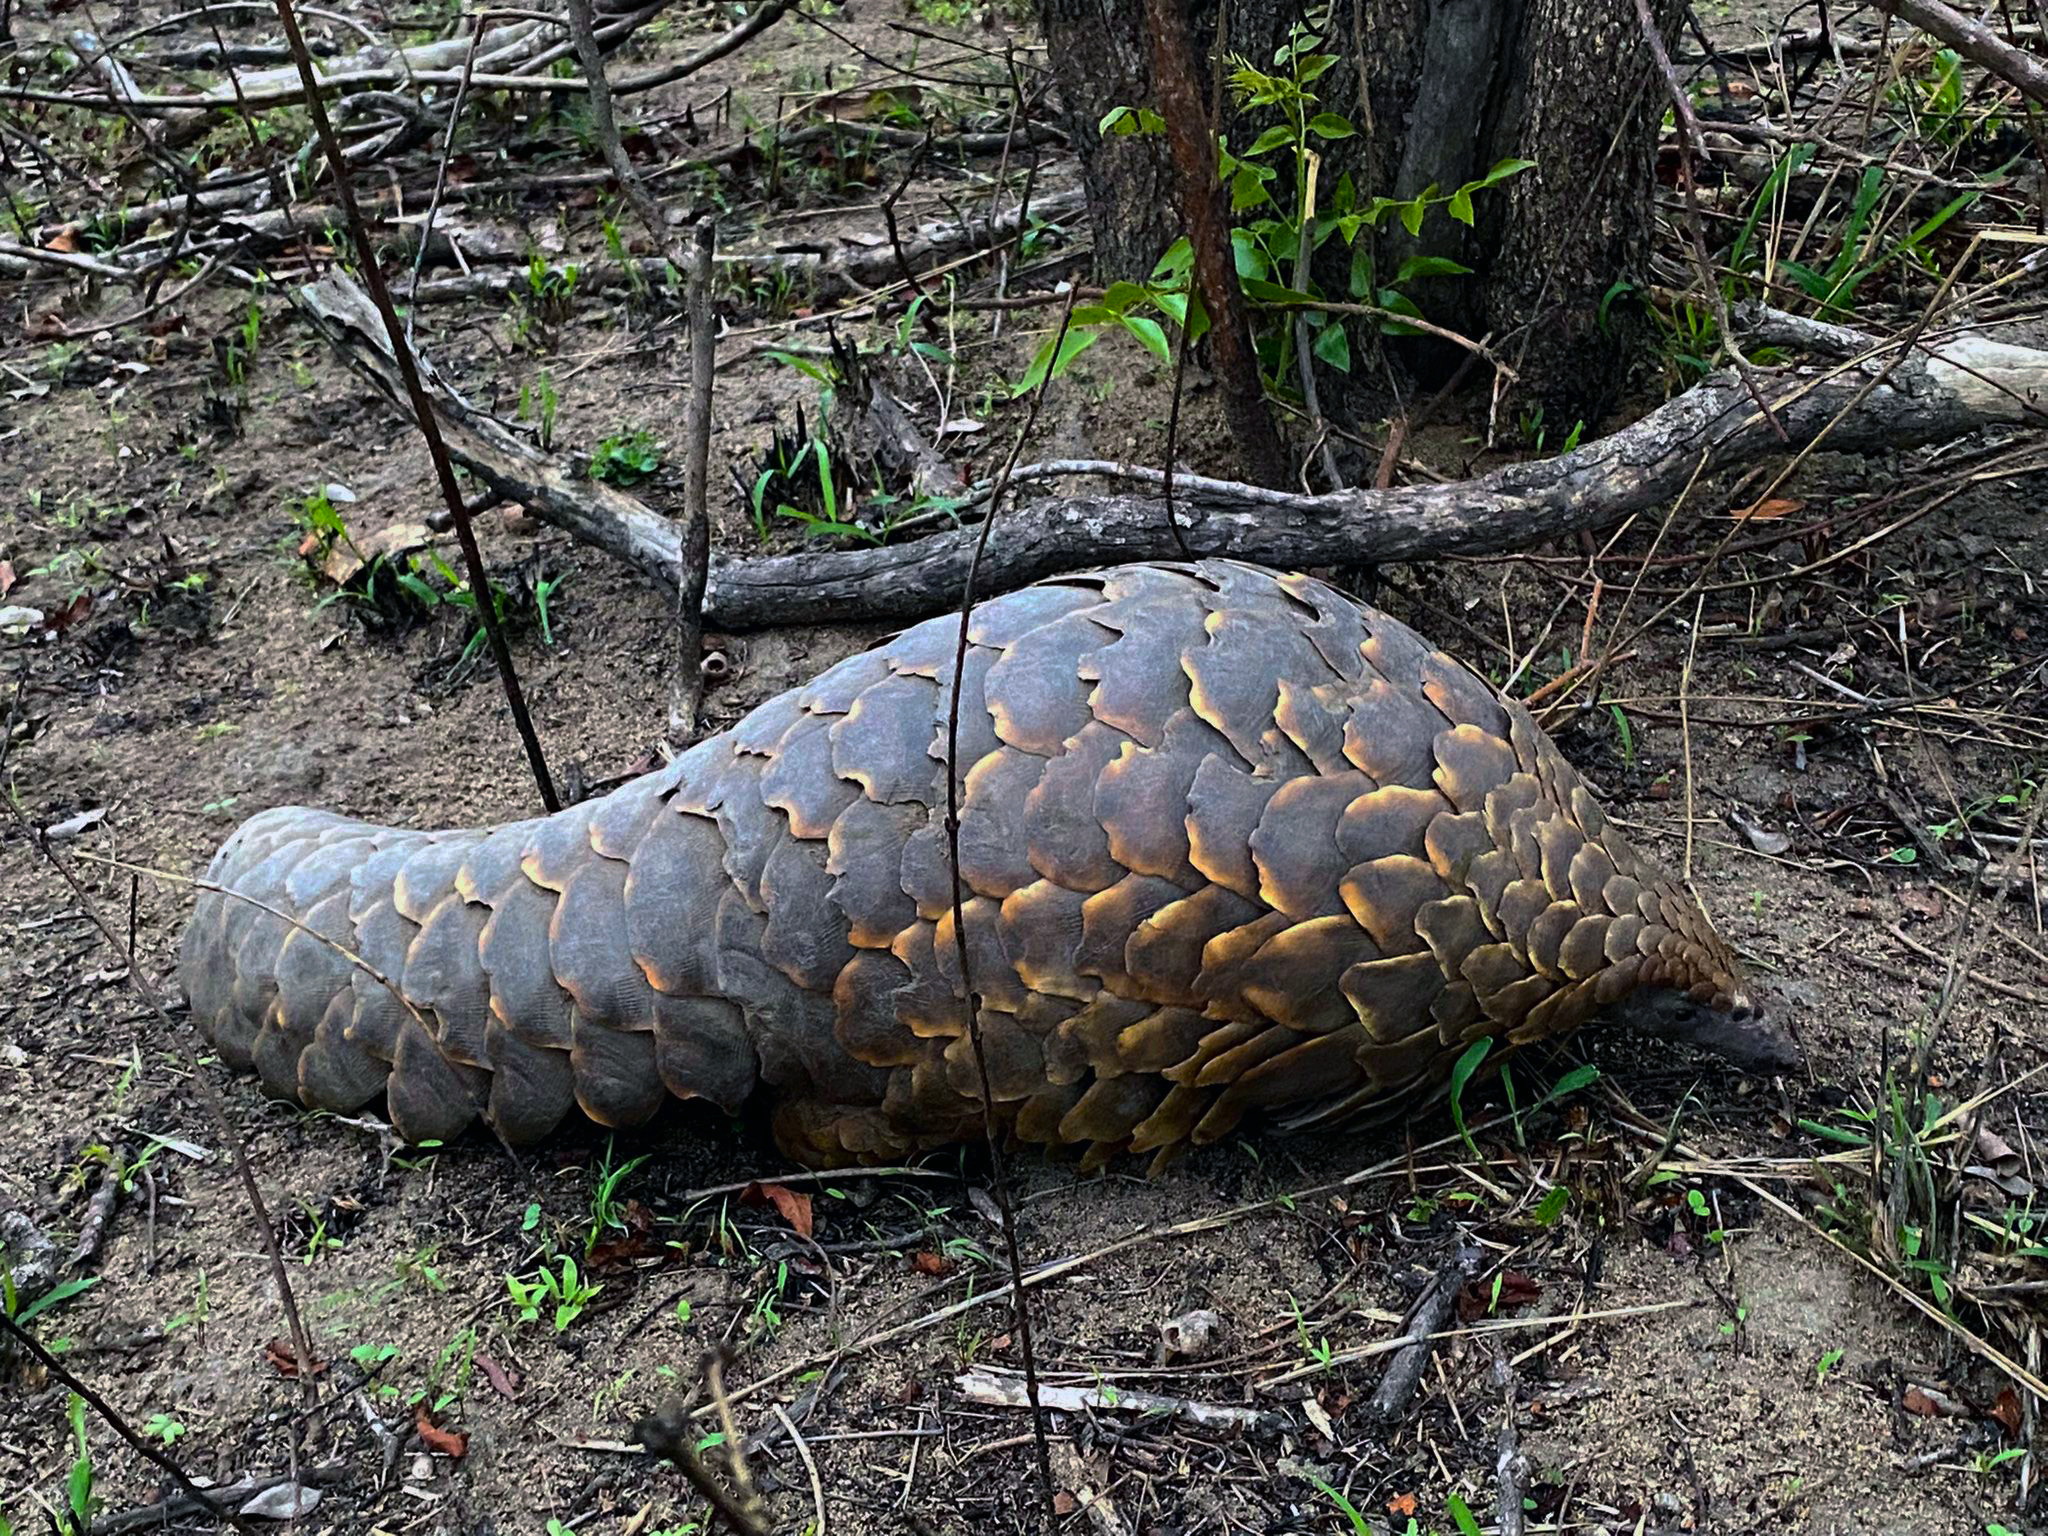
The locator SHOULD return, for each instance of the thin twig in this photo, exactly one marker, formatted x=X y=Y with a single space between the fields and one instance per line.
x=686 y=694
x=973 y=998
x=120 y=1426
x=423 y=411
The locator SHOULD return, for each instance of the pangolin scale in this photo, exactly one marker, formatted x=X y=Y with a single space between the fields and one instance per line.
x=1230 y=841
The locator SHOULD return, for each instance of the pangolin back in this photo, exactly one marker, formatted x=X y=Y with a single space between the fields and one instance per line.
x=1230 y=841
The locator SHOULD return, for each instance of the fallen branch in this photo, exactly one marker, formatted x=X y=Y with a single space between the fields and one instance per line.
x=993 y=1389
x=1976 y=42
x=1945 y=390
x=1417 y=1343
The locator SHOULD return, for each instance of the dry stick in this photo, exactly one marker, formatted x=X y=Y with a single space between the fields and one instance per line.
x=1976 y=42
x=686 y=694
x=302 y=1351
x=1510 y=1467
x=931 y=324
x=1414 y=1346
x=988 y=1113
x=1689 y=135
x=1304 y=358
x=422 y=408
x=1193 y=149
x=105 y=1410
x=583 y=28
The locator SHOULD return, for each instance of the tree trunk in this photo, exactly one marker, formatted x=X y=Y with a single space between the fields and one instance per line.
x=1438 y=92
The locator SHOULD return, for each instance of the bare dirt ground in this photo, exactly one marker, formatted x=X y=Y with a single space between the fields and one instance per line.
x=1686 y=1356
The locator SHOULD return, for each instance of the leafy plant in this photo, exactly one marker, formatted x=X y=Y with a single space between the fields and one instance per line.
x=605 y=1213
x=566 y=1291
x=81 y=1503
x=1280 y=228
x=626 y=458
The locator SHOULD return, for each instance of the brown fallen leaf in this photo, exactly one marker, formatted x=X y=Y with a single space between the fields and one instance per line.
x=279 y=1353
x=65 y=240
x=445 y=1442
x=502 y=1381
x=6 y=577
x=1922 y=901
x=791 y=1206
x=925 y=1262
x=1402 y=1506
x=2007 y=1410
x=1769 y=508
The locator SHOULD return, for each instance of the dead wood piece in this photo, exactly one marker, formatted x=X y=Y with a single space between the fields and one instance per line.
x=1086 y=1484
x=1976 y=42
x=999 y=1389
x=693 y=566
x=1510 y=1466
x=180 y=1506
x=92 y=1232
x=827 y=271
x=1947 y=389
x=1432 y=1311
x=30 y=1253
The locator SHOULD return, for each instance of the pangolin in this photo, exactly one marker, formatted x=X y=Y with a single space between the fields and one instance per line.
x=1230 y=842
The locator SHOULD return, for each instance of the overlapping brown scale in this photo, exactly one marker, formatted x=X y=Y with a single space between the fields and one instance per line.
x=670 y=903
x=1001 y=622
x=833 y=691
x=560 y=846
x=493 y=863
x=1544 y=943
x=1013 y=1056
x=805 y=937
x=1035 y=692
x=864 y=1010
x=1321 y=1068
x=701 y=1050
x=994 y=848
x=930 y=1006
x=621 y=818
x=430 y=1098
x=1108 y=918
x=801 y=782
x=995 y=977
x=333 y=1074
x=1383 y=822
x=1296 y=976
x=1591 y=869
x=1111 y=1109
x=867 y=882
x=1064 y=840
x=1337 y=630
x=532 y=1088
x=589 y=948
x=1391 y=732
x=1088 y=1040
x=1313 y=718
x=617 y=1081
x=1225 y=806
x=881 y=742
x=1472 y=765
x=756 y=732
x=977 y=726
x=445 y=979
x=1584 y=949
x=1452 y=928
x=1233 y=685
x=1042 y=929
x=1141 y=799
x=1163 y=956
x=1521 y=904
x=1139 y=682
x=1384 y=895
x=525 y=996
x=1392 y=997
x=1295 y=844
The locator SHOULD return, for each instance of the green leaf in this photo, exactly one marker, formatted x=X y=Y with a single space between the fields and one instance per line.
x=1122 y=122
x=1120 y=296
x=1430 y=266
x=1248 y=187
x=1400 y=304
x=1270 y=140
x=1249 y=260
x=1461 y=1515
x=1333 y=346
x=1502 y=170
x=1150 y=334
x=1461 y=206
x=1076 y=343
x=1328 y=125
x=56 y=1296
x=1461 y=1074
x=1552 y=1205
x=1175 y=264
x=1412 y=211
